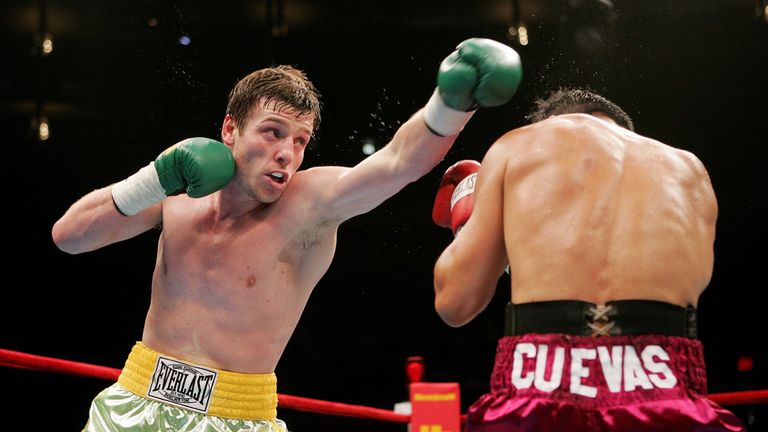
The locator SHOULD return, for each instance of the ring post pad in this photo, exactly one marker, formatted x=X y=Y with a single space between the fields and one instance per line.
x=435 y=407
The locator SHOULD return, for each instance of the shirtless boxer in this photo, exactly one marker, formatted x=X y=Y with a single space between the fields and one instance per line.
x=246 y=236
x=608 y=237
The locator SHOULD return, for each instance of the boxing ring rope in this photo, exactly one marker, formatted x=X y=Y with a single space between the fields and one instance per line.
x=20 y=360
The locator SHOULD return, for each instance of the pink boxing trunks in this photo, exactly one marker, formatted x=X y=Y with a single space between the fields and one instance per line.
x=627 y=382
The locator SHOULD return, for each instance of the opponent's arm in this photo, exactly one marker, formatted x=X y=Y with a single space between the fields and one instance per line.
x=467 y=272
x=480 y=73
x=196 y=166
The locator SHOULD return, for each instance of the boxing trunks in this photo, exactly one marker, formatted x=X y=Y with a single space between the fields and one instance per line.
x=630 y=365
x=156 y=392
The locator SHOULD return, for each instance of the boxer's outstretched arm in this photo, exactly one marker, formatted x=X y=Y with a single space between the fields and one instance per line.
x=480 y=73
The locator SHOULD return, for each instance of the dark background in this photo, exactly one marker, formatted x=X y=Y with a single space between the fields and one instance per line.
x=116 y=91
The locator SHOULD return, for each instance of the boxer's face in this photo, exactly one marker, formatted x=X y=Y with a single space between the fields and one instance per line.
x=268 y=149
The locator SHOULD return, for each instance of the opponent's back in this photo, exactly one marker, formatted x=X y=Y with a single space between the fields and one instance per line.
x=595 y=212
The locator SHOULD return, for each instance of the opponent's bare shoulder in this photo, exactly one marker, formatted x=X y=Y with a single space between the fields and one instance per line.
x=683 y=162
x=554 y=138
x=692 y=173
x=558 y=133
x=695 y=165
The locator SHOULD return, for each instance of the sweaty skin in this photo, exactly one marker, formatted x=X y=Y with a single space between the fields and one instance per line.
x=235 y=269
x=581 y=209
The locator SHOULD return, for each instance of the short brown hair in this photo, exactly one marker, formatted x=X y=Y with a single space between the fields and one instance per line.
x=285 y=86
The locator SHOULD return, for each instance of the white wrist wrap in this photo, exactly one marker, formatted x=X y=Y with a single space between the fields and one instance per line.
x=443 y=119
x=138 y=191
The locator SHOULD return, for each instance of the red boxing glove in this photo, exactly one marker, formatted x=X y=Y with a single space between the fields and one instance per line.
x=455 y=200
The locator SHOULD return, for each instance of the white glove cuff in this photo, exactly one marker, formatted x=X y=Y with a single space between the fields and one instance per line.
x=138 y=191
x=442 y=119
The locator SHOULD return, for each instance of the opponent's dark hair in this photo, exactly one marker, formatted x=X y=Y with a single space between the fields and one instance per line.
x=285 y=86
x=568 y=101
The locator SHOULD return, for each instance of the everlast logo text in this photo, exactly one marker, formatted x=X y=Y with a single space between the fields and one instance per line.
x=181 y=384
x=464 y=188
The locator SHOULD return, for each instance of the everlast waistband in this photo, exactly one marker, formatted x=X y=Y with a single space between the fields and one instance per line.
x=199 y=389
x=614 y=318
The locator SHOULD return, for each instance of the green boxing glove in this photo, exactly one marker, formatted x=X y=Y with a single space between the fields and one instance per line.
x=480 y=73
x=196 y=166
